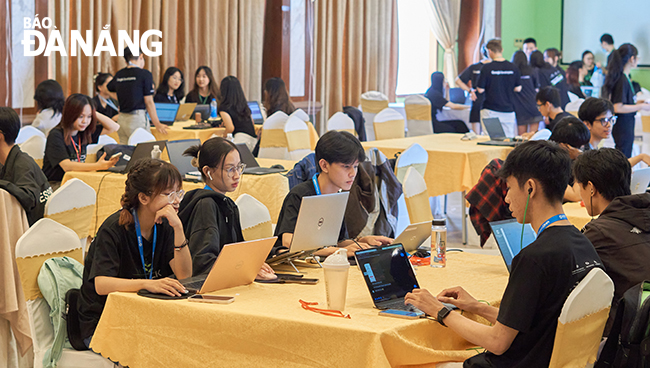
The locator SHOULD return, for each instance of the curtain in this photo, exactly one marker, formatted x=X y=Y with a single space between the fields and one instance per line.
x=225 y=35
x=444 y=16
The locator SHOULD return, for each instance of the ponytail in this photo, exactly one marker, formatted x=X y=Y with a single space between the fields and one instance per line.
x=615 y=66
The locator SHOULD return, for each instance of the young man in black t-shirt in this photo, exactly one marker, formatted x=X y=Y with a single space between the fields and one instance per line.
x=134 y=87
x=468 y=80
x=550 y=106
x=529 y=46
x=543 y=274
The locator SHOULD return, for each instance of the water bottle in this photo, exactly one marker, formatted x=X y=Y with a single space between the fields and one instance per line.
x=439 y=243
x=213 y=109
x=156 y=152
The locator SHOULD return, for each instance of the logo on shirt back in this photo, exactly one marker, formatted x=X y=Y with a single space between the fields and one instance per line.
x=502 y=72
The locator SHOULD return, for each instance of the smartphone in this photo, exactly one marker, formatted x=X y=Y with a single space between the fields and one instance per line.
x=119 y=154
x=397 y=313
x=299 y=281
x=211 y=299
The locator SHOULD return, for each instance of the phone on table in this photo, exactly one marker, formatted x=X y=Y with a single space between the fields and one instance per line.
x=211 y=299
x=117 y=155
x=398 y=313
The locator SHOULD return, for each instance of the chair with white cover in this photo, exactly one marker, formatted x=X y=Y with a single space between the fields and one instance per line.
x=573 y=107
x=273 y=142
x=414 y=156
x=73 y=205
x=582 y=321
x=372 y=102
x=418 y=115
x=44 y=240
x=389 y=124
x=246 y=139
x=416 y=197
x=313 y=134
x=254 y=217
x=140 y=135
x=341 y=122
x=35 y=147
x=301 y=114
x=27 y=132
x=297 y=138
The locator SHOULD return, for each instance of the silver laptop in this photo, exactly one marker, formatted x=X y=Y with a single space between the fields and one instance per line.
x=414 y=235
x=497 y=135
x=319 y=223
x=175 y=151
x=168 y=113
x=508 y=236
x=252 y=167
x=640 y=181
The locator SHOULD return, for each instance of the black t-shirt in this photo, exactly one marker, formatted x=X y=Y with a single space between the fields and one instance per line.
x=290 y=208
x=242 y=124
x=56 y=150
x=499 y=79
x=554 y=77
x=525 y=102
x=622 y=93
x=438 y=101
x=194 y=96
x=131 y=86
x=165 y=98
x=108 y=110
x=114 y=253
x=471 y=73
x=556 y=119
x=543 y=274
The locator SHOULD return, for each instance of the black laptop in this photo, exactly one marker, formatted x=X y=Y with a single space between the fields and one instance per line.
x=497 y=135
x=142 y=150
x=252 y=167
x=175 y=151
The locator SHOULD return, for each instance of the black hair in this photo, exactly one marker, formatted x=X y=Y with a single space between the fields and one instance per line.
x=543 y=161
x=587 y=52
x=340 y=147
x=537 y=59
x=521 y=61
x=615 y=65
x=9 y=124
x=607 y=169
x=277 y=97
x=549 y=94
x=163 y=88
x=212 y=153
x=233 y=99
x=530 y=40
x=607 y=38
x=49 y=95
x=128 y=55
x=570 y=130
x=100 y=78
x=594 y=107
x=494 y=45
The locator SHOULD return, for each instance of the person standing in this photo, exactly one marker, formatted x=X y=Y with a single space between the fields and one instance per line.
x=467 y=80
x=550 y=76
x=528 y=116
x=529 y=46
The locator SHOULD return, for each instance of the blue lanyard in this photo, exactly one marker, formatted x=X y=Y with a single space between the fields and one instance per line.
x=553 y=219
x=109 y=103
x=316 y=186
x=141 y=248
x=207 y=187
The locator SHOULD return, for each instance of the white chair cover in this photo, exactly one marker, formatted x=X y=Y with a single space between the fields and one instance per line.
x=418 y=115
x=342 y=122
x=246 y=139
x=372 y=102
x=301 y=114
x=573 y=106
x=416 y=197
x=415 y=156
x=389 y=124
x=140 y=135
x=273 y=142
x=28 y=131
x=254 y=218
x=35 y=147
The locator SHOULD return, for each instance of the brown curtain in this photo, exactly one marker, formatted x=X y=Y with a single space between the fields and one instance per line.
x=225 y=35
x=355 y=52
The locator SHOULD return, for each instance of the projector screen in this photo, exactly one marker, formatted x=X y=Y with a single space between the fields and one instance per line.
x=584 y=21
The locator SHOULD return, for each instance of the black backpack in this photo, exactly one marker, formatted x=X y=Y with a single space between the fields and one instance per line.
x=71 y=316
x=628 y=343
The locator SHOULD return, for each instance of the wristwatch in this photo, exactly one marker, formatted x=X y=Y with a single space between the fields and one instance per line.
x=442 y=314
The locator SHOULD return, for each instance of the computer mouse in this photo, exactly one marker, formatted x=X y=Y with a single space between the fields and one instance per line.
x=277 y=166
x=421 y=253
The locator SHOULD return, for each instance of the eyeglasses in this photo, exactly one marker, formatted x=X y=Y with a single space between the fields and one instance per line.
x=539 y=106
x=238 y=168
x=607 y=121
x=177 y=78
x=174 y=196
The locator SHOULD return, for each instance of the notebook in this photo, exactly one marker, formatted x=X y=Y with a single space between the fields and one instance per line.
x=508 y=236
x=497 y=135
x=142 y=150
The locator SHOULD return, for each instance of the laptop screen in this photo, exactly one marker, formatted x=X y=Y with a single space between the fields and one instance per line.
x=256 y=112
x=167 y=112
x=494 y=128
x=175 y=151
x=387 y=271
x=508 y=236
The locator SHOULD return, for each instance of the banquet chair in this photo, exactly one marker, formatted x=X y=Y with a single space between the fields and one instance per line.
x=273 y=142
x=254 y=217
x=140 y=136
x=388 y=124
x=313 y=135
x=44 y=240
x=582 y=321
x=341 y=122
x=372 y=103
x=297 y=135
x=301 y=114
x=573 y=107
x=27 y=132
x=416 y=197
x=73 y=205
x=246 y=139
x=35 y=147
x=414 y=156
x=418 y=115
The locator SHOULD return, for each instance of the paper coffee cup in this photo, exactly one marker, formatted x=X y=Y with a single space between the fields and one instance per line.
x=336 y=268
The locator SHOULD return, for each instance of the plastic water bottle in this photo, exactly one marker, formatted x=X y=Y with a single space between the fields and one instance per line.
x=213 y=109
x=156 y=152
x=439 y=243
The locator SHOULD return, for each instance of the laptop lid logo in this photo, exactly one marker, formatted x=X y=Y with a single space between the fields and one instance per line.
x=320 y=222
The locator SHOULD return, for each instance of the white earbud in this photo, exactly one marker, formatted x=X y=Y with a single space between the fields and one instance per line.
x=210 y=176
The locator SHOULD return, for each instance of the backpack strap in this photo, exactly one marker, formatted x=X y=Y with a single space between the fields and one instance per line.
x=608 y=354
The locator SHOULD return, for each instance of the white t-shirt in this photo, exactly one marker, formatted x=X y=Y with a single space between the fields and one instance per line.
x=46 y=120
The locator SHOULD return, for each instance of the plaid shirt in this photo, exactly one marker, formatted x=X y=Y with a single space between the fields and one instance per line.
x=487 y=200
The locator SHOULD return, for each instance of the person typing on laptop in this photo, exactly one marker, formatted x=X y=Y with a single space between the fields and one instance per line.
x=522 y=330
x=338 y=155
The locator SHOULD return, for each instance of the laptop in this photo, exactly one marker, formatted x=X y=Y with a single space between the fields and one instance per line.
x=169 y=113
x=237 y=264
x=640 y=181
x=414 y=235
x=204 y=110
x=175 y=151
x=256 y=112
x=508 y=236
x=318 y=225
x=142 y=150
x=497 y=135
x=252 y=167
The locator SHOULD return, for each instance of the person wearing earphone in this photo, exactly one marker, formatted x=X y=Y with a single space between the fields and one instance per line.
x=522 y=330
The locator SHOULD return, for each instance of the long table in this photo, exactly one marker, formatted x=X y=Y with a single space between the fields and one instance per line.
x=266 y=325
x=176 y=132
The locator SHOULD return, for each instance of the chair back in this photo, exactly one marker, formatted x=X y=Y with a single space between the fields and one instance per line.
x=389 y=124
x=273 y=142
x=416 y=197
x=416 y=157
x=573 y=106
x=73 y=205
x=27 y=132
x=341 y=122
x=418 y=115
x=457 y=95
x=300 y=114
x=582 y=321
x=254 y=217
x=35 y=147
x=246 y=139
x=372 y=102
x=140 y=135
x=297 y=135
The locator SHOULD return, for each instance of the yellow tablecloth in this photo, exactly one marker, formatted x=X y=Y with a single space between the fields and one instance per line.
x=266 y=326
x=576 y=214
x=269 y=189
x=176 y=132
x=454 y=165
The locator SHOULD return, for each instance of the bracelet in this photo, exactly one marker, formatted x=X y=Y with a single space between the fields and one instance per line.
x=182 y=245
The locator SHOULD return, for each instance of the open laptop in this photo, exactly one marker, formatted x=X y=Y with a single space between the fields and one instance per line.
x=497 y=135
x=252 y=167
x=175 y=151
x=237 y=264
x=640 y=181
x=169 y=113
x=256 y=112
x=318 y=225
x=204 y=110
x=414 y=235
x=508 y=236
x=142 y=150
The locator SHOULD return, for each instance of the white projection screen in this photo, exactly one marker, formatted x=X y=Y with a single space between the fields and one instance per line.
x=584 y=21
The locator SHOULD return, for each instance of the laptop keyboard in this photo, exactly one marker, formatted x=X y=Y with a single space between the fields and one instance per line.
x=194 y=282
x=399 y=304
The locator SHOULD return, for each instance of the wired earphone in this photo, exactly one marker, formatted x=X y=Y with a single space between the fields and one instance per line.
x=523 y=223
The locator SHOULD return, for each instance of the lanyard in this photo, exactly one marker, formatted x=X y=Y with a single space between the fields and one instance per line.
x=316 y=186
x=109 y=103
x=207 y=187
x=141 y=248
x=75 y=148
x=553 y=219
x=203 y=102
